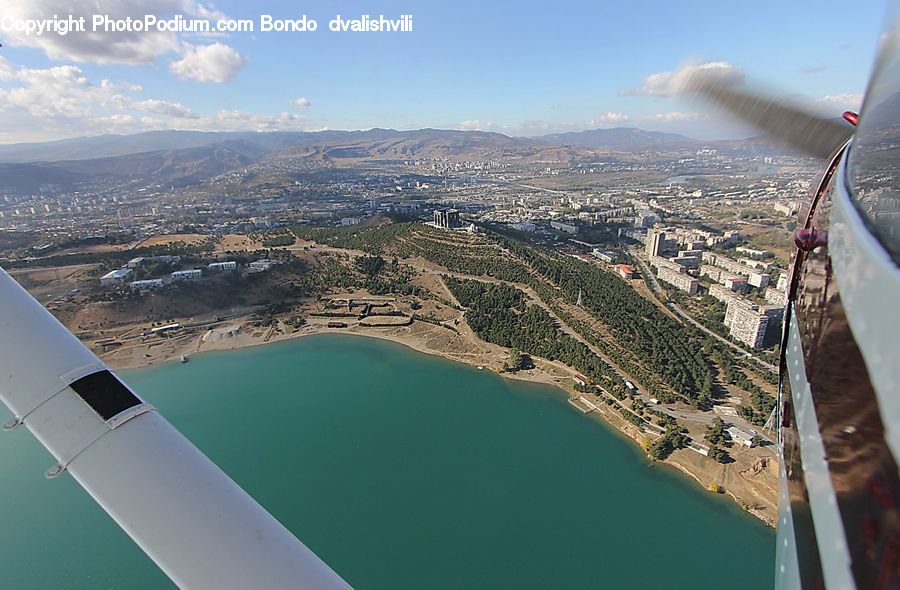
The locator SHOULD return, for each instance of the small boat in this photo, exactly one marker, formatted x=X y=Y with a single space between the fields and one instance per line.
x=480 y=368
x=184 y=359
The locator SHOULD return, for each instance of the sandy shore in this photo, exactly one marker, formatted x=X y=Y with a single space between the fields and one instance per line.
x=420 y=336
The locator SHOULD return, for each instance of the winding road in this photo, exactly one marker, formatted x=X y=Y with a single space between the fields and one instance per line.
x=654 y=284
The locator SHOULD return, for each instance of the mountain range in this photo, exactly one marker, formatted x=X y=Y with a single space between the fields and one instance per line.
x=103 y=146
x=185 y=157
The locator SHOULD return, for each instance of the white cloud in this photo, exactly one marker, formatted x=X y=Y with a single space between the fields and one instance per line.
x=476 y=125
x=610 y=119
x=61 y=101
x=202 y=11
x=57 y=92
x=845 y=101
x=163 y=107
x=100 y=47
x=301 y=103
x=671 y=83
x=216 y=63
x=234 y=120
x=6 y=69
x=107 y=85
x=677 y=116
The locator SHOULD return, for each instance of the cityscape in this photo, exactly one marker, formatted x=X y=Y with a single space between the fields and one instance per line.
x=698 y=234
x=452 y=295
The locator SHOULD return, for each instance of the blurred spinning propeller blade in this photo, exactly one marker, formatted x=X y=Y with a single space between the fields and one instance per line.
x=786 y=122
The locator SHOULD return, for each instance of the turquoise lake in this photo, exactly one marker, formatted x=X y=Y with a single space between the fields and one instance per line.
x=401 y=470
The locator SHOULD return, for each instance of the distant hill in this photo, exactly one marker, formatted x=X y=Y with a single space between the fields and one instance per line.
x=178 y=167
x=185 y=157
x=104 y=146
x=385 y=142
x=625 y=139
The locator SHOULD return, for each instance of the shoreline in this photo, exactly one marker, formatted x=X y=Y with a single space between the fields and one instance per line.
x=483 y=355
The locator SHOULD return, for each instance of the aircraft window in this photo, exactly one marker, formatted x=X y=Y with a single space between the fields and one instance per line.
x=875 y=153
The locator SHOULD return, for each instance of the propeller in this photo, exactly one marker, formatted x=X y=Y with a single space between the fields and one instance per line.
x=780 y=119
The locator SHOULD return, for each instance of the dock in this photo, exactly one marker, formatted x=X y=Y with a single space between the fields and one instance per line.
x=584 y=405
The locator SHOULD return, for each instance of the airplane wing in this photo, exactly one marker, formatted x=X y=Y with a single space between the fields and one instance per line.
x=191 y=519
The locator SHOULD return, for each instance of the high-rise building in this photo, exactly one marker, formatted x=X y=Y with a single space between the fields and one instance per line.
x=645 y=218
x=749 y=323
x=656 y=241
x=446 y=218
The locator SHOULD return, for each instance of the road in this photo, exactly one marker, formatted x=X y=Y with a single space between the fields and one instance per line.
x=655 y=286
x=646 y=272
x=768 y=366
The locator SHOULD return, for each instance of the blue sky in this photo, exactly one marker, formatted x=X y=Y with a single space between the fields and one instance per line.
x=515 y=67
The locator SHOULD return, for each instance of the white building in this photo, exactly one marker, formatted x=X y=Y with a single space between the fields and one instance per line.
x=147 y=285
x=145 y=260
x=187 y=275
x=116 y=277
x=261 y=265
x=564 y=227
x=759 y=280
x=605 y=255
x=774 y=296
x=720 y=293
x=655 y=244
x=757 y=264
x=679 y=280
x=223 y=266
x=524 y=226
x=746 y=322
x=659 y=262
x=787 y=209
x=625 y=271
x=645 y=218
x=740 y=436
x=687 y=261
x=737 y=284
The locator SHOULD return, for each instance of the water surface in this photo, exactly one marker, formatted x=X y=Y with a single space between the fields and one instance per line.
x=401 y=470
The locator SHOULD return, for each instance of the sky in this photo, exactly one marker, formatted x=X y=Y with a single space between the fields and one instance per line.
x=515 y=67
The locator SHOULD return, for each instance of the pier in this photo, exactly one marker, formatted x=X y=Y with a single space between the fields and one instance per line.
x=584 y=405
